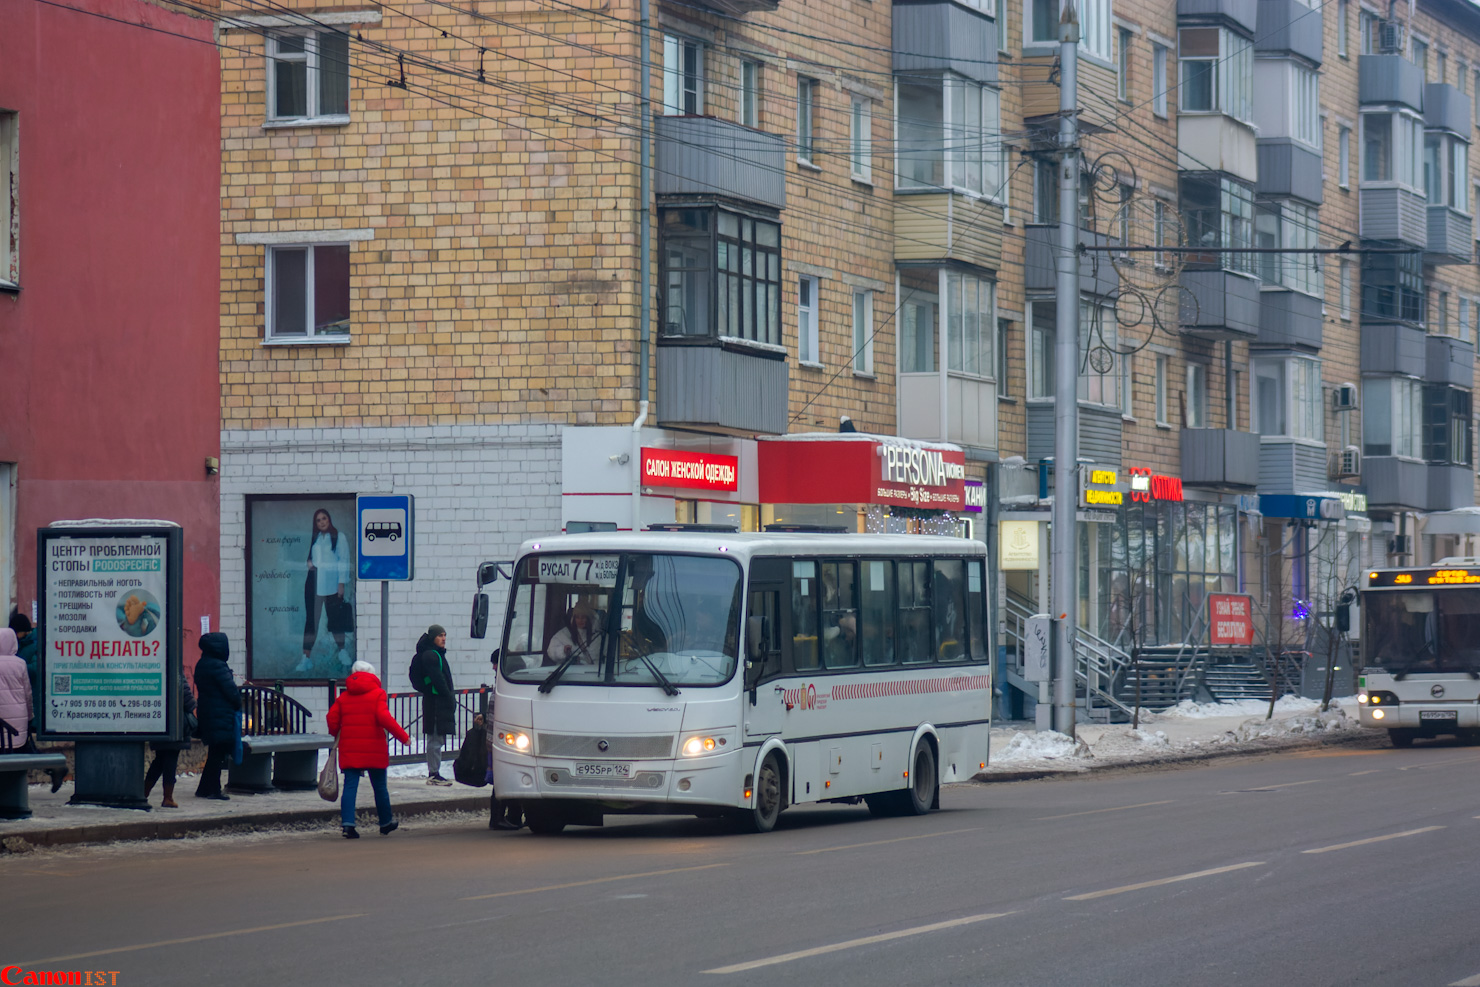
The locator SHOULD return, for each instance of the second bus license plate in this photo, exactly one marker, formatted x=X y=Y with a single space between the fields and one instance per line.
x=1438 y=714
x=616 y=769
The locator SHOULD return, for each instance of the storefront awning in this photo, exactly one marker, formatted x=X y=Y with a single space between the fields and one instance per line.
x=1460 y=521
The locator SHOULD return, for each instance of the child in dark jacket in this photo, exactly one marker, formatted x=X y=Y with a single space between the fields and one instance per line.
x=360 y=718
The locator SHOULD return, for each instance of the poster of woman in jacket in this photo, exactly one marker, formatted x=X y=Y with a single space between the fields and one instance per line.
x=301 y=587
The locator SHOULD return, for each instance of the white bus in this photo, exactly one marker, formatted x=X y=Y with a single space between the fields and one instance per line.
x=718 y=673
x=1421 y=651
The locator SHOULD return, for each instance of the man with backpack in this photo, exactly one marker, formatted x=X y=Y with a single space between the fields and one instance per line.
x=431 y=677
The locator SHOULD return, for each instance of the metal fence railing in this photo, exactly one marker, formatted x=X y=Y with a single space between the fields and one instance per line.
x=406 y=707
x=268 y=712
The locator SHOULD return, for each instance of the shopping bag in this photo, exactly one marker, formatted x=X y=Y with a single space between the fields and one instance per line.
x=329 y=775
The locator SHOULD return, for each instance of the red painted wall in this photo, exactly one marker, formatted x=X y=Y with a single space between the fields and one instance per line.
x=109 y=389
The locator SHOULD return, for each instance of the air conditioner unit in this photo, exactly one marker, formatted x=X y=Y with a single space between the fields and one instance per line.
x=1346 y=463
x=1390 y=38
x=1344 y=397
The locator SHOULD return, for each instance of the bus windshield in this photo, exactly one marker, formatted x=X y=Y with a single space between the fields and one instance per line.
x=1423 y=631
x=623 y=619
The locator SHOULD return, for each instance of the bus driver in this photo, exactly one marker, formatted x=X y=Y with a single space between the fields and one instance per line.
x=580 y=636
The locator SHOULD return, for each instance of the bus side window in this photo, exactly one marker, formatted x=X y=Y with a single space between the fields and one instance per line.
x=976 y=608
x=947 y=598
x=804 y=604
x=839 y=614
x=914 y=611
x=877 y=613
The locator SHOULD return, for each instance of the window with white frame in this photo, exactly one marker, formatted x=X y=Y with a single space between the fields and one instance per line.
x=1344 y=157
x=1446 y=169
x=950 y=136
x=1123 y=64
x=1127 y=375
x=1392 y=148
x=1392 y=416
x=750 y=94
x=1370 y=27
x=1217 y=72
x=1305 y=106
x=1218 y=212
x=1440 y=317
x=1344 y=267
x=1197 y=396
x=10 y=189
x=1043 y=21
x=860 y=140
x=1441 y=67
x=806 y=107
x=1421 y=57
x=683 y=76
x=1464 y=319
x=1343 y=17
x=1096 y=26
x=1462 y=75
x=1161 y=389
x=1159 y=80
x=919 y=314
x=1290 y=226
x=971 y=317
x=308 y=76
x=807 y=350
x=1097 y=328
x=863 y=331
x=1159 y=232
x=308 y=291
x=1287 y=397
x=1004 y=327
x=999 y=14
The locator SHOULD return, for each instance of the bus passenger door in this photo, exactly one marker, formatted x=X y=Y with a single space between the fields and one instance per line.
x=763 y=707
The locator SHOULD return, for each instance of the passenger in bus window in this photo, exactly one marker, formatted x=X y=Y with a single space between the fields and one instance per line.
x=581 y=636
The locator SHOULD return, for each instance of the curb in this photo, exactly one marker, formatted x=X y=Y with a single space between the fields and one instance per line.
x=175 y=829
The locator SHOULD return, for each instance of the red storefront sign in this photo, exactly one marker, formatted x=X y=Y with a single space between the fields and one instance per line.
x=864 y=470
x=1147 y=486
x=1230 y=620
x=690 y=470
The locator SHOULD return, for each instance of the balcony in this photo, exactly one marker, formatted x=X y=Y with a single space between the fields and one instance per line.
x=1289 y=465
x=1096 y=271
x=1394 y=213
x=1450 y=487
x=971 y=409
x=1220 y=305
x=739 y=8
x=1451 y=237
x=933 y=227
x=1394 y=349
x=1242 y=15
x=1289 y=169
x=936 y=37
x=1395 y=484
x=1099 y=433
x=1389 y=79
x=708 y=156
x=1289 y=319
x=1289 y=26
x=1214 y=142
x=730 y=387
x=1446 y=108
x=1449 y=361
x=1220 y=458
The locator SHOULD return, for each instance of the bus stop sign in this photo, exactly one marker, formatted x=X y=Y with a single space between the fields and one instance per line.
x=387 y=526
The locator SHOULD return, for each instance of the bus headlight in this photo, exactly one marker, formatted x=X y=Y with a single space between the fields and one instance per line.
x=518 y=741
x=695 y=746
x=1376 y=698
x=1378 y=714
x=1362 y=697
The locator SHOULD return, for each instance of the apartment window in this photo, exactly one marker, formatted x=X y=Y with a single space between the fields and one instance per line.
x=1440 y=316
x=683 y=76
x=1421 y=57
x=1392 y=288
x=721 y=275
x=1441 y=67
x=1392 y=416
x=1159 y=80
x=1290 y=226
x=1159 y=231
x=1217 y=72
x=860 y=142
x=750 y=94
x=1343 y=16
x=919 y=315
x=1197 y=395
x=1004 y=326
x=1127 y=376
x=1219 y=212
x=1475 y=89
x=1096 y=32
x=1461 y=75
x=1287 y=398
x=1392 y=143
x=971 y=314
x=1123 y=64
x=1446 y=170
x=1097 y=328
x=308 y=76
x=1344 y=157
x=806 y=104
x=863 y=331
x=999 y=14
x=1161 y=389
x=807 y=350
x=1305 y=106
x=1344 y=267
x=308 y=291
x=1044 y=18
x=1447 y=428
x=1464 y=320
x=949 y=136
x=10 y=160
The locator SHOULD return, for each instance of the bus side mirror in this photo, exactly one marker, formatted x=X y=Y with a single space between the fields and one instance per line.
x=479 y=626
x=487 y=573
x=756 y=635
x=1343 y=617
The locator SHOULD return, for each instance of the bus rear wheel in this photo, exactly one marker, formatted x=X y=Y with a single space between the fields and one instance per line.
x=1401 y=738
x=915 y=800
x=768 y=801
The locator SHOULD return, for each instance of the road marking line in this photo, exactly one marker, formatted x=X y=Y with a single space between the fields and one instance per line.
x=898 y=839
x=1284 y=784
x=1165 y=880
x=1092 y=812
x=1439 y=764
x=1375 y=839
x=1358 y=774
x=176 y=942
x=1467 y=982
x=594 y=880
x=802 y=954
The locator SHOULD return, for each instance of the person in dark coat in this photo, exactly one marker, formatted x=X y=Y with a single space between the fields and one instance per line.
x=433 y=679
x=218 y=701
x=167 y=753
x=25 y=637
x=360 y=718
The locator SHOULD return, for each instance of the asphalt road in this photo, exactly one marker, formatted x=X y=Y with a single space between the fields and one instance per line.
x=1337 y=865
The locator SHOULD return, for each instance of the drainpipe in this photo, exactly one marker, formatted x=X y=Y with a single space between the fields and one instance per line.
x=645 y=249
x=642 y=410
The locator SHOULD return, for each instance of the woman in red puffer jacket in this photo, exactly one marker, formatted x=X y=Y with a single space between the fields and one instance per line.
x=360 y=719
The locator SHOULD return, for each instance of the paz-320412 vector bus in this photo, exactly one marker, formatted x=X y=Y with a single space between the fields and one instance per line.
x=723 y=673
x=1421 y=651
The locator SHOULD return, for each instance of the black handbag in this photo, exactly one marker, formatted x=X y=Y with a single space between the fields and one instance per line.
x=341 y=614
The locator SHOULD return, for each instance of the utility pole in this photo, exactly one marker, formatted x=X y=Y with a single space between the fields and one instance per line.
x=1066 y=379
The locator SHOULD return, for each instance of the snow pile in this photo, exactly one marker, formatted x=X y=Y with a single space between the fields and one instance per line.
x=1311 y=724
x=1189 y=710
x=1046 y=746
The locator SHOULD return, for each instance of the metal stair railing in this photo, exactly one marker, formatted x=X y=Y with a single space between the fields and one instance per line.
x=1100 y=662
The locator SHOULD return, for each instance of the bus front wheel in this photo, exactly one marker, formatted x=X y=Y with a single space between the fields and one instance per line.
x=761 y=816
x=1401 y=738
x=544 y=820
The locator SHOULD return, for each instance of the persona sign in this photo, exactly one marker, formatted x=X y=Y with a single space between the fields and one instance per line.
x=861 y=469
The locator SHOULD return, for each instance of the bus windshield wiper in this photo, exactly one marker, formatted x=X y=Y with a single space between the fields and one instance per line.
x=554 y=676
x=668 y=687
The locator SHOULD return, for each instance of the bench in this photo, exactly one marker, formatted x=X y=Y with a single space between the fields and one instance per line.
x=15 y=800
x=288 y=762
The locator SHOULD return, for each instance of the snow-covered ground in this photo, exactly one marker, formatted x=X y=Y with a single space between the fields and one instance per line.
x=1187 y=728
